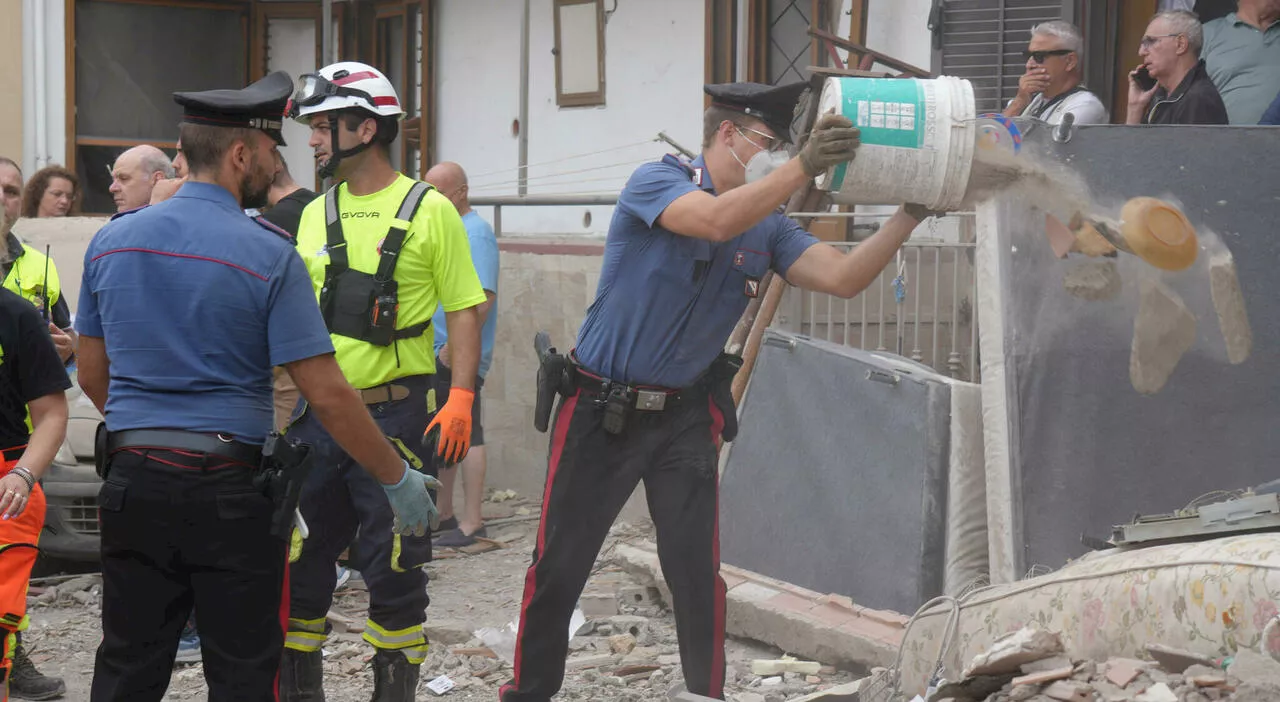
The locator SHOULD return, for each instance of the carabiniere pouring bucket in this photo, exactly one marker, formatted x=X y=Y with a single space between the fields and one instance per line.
x=918 y=138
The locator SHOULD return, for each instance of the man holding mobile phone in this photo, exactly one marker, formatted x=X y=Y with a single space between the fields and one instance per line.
x=1182 y=92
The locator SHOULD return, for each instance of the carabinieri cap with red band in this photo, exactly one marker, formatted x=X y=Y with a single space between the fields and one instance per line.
x=775 y=105
x=260 y=105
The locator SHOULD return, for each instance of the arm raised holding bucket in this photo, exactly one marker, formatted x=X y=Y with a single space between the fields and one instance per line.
x=648 y=382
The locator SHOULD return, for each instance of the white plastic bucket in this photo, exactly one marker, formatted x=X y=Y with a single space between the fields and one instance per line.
x=918 y=138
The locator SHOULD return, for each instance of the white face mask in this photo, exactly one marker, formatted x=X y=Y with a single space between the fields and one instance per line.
x=764 y=163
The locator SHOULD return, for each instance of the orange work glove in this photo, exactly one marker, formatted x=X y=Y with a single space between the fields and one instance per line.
x=452 y=426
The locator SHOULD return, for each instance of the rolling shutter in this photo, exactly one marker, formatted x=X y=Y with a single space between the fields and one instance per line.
x=983 y=40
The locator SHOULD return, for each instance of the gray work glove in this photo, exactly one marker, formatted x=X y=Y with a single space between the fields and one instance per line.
x=834 y=140
x=920 y=213
x=414 y=509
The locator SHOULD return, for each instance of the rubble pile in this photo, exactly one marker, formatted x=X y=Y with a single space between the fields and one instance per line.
x=1031 y=666
x=624 y=645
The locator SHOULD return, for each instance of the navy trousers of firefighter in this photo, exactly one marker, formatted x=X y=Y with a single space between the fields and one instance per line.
x=590 y=475
x=342 y=503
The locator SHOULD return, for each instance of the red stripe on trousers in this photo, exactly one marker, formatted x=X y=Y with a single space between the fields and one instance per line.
x=717 y=655
x=564 y=418
x=284 y=619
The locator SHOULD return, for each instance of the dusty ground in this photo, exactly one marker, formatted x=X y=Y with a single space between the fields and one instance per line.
x=468 y=592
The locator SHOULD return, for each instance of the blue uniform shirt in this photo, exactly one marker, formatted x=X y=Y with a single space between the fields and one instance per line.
x=667 y=303
x=484 y=256
x=196 y=302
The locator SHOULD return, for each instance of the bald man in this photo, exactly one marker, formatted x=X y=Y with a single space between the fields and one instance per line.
x=454 y=532
x=135 y=175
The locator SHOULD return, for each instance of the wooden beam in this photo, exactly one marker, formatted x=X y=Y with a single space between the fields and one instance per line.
x=858 y=15
x=896 y=64
x=747 y=333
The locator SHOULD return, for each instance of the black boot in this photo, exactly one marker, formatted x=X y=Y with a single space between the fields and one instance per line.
x=27 y=683
x=301 y=676
x=395 y=679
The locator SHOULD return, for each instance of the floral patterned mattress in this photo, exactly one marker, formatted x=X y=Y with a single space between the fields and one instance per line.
x=1211 y=597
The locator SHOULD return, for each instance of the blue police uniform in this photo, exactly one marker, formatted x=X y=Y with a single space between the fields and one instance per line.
x=664 y=309
x=195 y=303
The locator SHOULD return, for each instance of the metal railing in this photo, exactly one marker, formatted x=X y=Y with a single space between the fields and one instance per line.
x=500 y=201
x=928 y=317
x=921 y=307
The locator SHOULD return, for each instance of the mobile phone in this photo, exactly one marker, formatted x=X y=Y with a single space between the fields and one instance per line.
x=1144 y=79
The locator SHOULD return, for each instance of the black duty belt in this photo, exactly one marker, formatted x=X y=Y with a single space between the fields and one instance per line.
x=13 y=454
x=178 y=440
x=648 y=398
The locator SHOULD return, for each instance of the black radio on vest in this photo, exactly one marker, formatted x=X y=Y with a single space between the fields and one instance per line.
x=354 y=303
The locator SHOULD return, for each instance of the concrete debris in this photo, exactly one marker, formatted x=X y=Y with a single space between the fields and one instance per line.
x=1069 y=691
x=1158 y=692
x=447 y=631
x=1162 y=331
x=1228 y=302
x=1045 y=664
x=1251 y=677
x=1046 y=676
x=1093 y=280
x=1009 y=653
x=1122 y=671
x=784 y=665
x=598 y=604
x=1176 y=660
x=622 y=644
x=1254 y=667
x=471 y=625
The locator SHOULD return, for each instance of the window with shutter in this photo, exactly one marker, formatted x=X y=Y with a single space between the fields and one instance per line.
x=983 y=40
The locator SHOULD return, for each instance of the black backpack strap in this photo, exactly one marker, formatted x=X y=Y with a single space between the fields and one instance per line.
x=396 y=234
x=335 y=244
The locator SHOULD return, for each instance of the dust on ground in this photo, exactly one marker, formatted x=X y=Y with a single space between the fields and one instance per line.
x=469 y=592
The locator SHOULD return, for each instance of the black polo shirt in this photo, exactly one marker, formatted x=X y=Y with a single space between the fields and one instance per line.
x=29 y=366
x=287 y=213
x=1194 y=101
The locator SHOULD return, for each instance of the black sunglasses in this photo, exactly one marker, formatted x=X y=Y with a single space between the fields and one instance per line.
x=1039 y=56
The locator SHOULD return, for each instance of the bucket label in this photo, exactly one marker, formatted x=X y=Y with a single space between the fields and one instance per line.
x=889 y=112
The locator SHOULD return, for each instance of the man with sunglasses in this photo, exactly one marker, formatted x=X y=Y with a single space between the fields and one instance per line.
x=1183 y=93
x=646 y=393
x=1051 y=87
x=383 y=251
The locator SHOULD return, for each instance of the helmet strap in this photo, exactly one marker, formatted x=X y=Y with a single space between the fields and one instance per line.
x=331 y=167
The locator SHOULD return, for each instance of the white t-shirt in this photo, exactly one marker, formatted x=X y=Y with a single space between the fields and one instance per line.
x=1085 y=105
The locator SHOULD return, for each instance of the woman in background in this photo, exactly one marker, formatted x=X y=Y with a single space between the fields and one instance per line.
x=51 y=192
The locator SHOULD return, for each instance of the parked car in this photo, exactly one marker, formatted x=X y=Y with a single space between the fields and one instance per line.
x=71 y=487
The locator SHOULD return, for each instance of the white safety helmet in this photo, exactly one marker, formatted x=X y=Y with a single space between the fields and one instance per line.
x=344 y=85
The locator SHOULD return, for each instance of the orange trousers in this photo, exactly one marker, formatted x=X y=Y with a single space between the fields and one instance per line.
x=18 y=537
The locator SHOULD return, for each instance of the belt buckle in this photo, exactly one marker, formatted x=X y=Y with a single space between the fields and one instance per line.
x=651 y=400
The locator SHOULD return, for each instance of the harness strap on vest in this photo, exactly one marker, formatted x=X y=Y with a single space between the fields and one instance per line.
x=336 y=243
x=395 y=235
